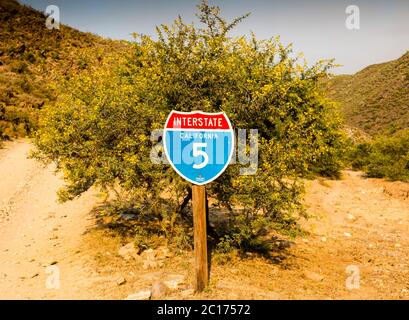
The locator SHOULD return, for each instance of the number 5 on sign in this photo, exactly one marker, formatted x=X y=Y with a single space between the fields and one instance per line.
x=198 y=153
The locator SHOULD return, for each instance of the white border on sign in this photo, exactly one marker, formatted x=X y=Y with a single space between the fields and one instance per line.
x=204 y=113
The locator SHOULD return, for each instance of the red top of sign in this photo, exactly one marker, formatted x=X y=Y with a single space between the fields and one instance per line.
x=197 y=120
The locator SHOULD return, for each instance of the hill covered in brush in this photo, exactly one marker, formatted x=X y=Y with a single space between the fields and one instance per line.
x=375 y=99
x=32 y=56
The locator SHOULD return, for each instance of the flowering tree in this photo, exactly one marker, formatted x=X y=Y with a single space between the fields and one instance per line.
x=99 y=130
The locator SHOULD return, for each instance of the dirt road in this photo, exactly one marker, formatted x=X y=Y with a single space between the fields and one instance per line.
x=36 y=231
x=356 y=221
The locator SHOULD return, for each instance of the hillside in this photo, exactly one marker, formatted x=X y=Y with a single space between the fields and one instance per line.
x=376 y=98
x=31 y=56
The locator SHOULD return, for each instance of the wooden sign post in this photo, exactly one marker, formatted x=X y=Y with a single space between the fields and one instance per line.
x=200 y=237
x=199 y=146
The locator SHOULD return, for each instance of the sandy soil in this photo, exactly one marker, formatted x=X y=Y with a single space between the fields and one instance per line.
x=36 y=231
x=356 y=221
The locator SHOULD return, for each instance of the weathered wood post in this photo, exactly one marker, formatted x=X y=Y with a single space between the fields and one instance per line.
x=200 y=237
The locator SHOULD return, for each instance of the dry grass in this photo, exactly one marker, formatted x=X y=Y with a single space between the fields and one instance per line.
x=376 y=98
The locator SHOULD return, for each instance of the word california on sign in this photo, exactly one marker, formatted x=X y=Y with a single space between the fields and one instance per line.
x=198 y=145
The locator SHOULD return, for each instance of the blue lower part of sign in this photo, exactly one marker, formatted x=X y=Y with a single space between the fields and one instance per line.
x=199 y=156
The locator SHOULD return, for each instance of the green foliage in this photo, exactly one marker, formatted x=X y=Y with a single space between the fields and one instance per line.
x=359 y=155
x=385 y=157
x=334 y=157
x=98 y=132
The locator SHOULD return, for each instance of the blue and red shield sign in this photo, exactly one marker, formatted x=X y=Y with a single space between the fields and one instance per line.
x=198 y=145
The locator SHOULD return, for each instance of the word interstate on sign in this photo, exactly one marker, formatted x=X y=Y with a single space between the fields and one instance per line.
x=206 y=122
x=198 y=145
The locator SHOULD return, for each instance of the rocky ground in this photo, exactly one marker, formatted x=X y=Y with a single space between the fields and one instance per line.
x=356 y=247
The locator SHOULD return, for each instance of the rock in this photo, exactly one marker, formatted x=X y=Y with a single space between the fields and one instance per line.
x=283 y=244
x=305 y=240
x=152 y=264
x=50 y=215
x=129 y=251
x=35 y=274
x=50 y=263
x=313 y=276
x=148 y=254
x=323 y=239
x=397 y=245
x=120 y=281
x=163 y=253
x=152 y=276
x=159 y=290
x=347 y=234
x=350 y=217
x=173 y=282
x=141 y=295
x=150 y=261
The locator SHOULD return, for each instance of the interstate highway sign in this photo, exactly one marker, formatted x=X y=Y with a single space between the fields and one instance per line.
x=198 y=145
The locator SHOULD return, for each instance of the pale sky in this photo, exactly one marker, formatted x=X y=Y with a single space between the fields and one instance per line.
x=315 y=27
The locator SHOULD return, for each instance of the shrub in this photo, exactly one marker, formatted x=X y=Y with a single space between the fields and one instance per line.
x=98 y=132
x=385 y=157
